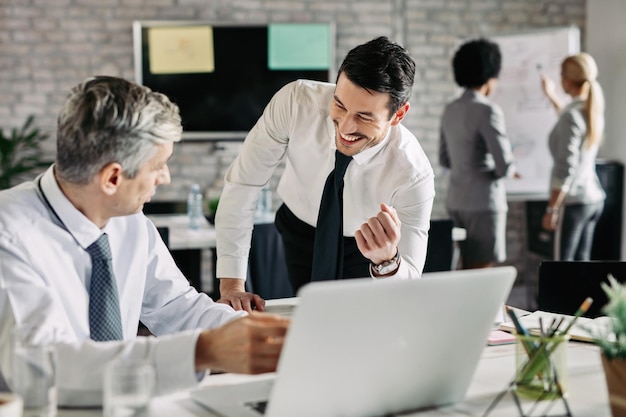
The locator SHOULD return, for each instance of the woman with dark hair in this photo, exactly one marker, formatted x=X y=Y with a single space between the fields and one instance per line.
x=576 y=196
x=475 y=148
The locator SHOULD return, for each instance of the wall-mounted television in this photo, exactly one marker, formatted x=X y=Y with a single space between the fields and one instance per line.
x=222 y=75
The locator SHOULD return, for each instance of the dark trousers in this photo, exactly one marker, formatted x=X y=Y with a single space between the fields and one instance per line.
x=298 y=238
x=576 y=233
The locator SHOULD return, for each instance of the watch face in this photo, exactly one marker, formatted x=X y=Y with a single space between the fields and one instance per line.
x=386 y=267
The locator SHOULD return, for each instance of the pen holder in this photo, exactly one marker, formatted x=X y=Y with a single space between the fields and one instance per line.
x=541 y=366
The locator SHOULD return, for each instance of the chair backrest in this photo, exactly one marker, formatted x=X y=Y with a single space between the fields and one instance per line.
x=165 y=207
x=564 y=285
x=164 y=231
x=440 y=246
x=267 y=269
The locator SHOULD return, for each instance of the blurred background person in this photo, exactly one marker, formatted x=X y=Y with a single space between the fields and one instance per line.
x=576 y=195
x=475 y=148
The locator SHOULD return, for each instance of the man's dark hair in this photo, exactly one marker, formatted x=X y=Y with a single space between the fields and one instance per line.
x=475 y=62
x=383 y=66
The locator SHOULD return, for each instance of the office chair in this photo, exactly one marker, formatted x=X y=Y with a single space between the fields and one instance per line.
x=267 y=269
x=564 y=285
x=165 y=207
x=164 y=231
x=440 y=246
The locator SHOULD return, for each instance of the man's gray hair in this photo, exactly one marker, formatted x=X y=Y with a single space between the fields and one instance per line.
x=109 y=119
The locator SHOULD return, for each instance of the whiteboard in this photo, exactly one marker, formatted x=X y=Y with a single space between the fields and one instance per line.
x=528 y=114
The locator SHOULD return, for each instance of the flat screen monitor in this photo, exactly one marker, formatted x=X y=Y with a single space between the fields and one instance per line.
x=223 y=75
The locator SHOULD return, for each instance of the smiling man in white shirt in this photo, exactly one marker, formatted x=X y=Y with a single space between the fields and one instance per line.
x=388 y=187
x=114 y=139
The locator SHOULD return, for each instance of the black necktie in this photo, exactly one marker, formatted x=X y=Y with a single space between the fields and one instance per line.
x=104 y=306
x=328 y=245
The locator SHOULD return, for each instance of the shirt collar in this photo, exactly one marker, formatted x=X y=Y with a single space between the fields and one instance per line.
x=471 y=93
x=84 y=231
x=367 y=154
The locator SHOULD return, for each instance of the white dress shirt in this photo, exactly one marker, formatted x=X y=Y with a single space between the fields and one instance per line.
x=44 y=282
x=296 y=125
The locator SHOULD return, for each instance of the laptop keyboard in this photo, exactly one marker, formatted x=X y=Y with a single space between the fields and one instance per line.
x=258 y=406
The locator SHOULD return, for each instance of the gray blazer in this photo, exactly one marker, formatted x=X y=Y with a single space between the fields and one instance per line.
x=574 y=169
x=474 y=146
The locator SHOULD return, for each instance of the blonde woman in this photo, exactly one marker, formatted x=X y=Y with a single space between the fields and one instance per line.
x=576 y=196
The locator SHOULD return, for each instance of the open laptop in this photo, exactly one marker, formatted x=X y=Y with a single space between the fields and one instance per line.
x=372 y=348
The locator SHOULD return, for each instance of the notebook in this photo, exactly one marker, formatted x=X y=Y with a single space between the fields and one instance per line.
x=282 y=306
x=583 y=330
x=500 y=337
x=371 y=348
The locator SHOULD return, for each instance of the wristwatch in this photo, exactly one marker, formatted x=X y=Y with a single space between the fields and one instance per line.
x=387 y=267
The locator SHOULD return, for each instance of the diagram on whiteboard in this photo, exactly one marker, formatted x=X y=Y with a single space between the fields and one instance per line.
x=528 y=113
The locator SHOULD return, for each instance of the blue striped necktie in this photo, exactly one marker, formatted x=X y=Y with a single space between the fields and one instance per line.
x=104 y=306
x=328 y=245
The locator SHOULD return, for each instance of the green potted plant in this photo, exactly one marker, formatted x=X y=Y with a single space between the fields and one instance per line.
x=20 y=152
x=212 y=204
x=612 y=342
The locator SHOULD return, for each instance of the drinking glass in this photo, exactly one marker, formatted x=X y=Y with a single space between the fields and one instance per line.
x=34 y=373
x=128 y=388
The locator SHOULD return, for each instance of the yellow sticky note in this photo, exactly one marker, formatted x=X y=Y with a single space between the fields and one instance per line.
x=178 y=50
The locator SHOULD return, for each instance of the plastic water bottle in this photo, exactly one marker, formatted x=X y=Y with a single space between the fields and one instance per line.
x=263 y=206
x=195 y=203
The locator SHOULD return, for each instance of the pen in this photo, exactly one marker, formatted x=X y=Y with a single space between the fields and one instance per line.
x=529 y=346
x=518 y=326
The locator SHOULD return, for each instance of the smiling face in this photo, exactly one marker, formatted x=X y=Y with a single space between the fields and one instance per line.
x=135 y=192
x=361 y=116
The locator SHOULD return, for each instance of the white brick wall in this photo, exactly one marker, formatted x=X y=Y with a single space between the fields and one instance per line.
x=46 y=46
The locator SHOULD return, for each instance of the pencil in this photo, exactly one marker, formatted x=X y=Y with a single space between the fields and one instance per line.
x=556 y=328
x=581 y=310
x=540 y=355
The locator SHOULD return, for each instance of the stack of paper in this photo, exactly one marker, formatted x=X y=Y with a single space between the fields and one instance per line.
x=583 y=330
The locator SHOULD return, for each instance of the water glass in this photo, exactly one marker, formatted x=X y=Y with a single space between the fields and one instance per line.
x=128 y=388
x=34 y=374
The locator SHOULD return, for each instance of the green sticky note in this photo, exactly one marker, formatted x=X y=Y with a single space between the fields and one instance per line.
x=293 y=46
